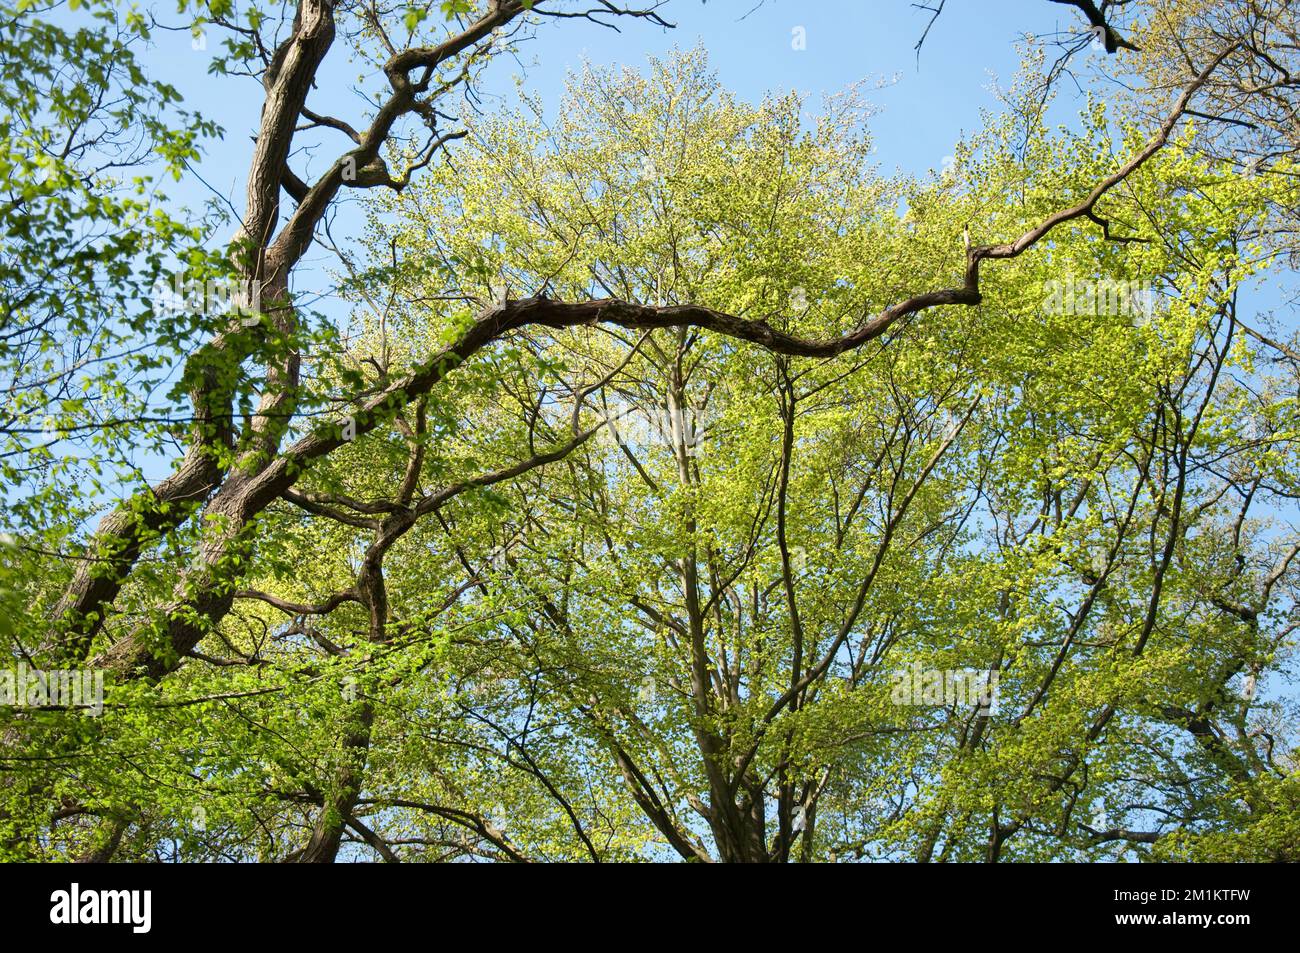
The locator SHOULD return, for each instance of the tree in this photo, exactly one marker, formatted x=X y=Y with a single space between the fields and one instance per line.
x=641 y=510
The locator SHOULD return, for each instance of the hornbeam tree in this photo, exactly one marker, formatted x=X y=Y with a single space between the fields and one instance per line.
x=678 y=487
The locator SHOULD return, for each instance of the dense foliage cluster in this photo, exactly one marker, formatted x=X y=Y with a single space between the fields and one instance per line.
x=649 y=502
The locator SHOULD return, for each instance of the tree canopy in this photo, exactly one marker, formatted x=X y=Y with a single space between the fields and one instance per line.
x=676 y=484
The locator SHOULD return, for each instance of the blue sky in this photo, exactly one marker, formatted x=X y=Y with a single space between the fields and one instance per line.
x=753 y=49
x=751 y=45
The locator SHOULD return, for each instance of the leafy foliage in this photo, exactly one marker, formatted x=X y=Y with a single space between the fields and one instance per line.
x=607 y=590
